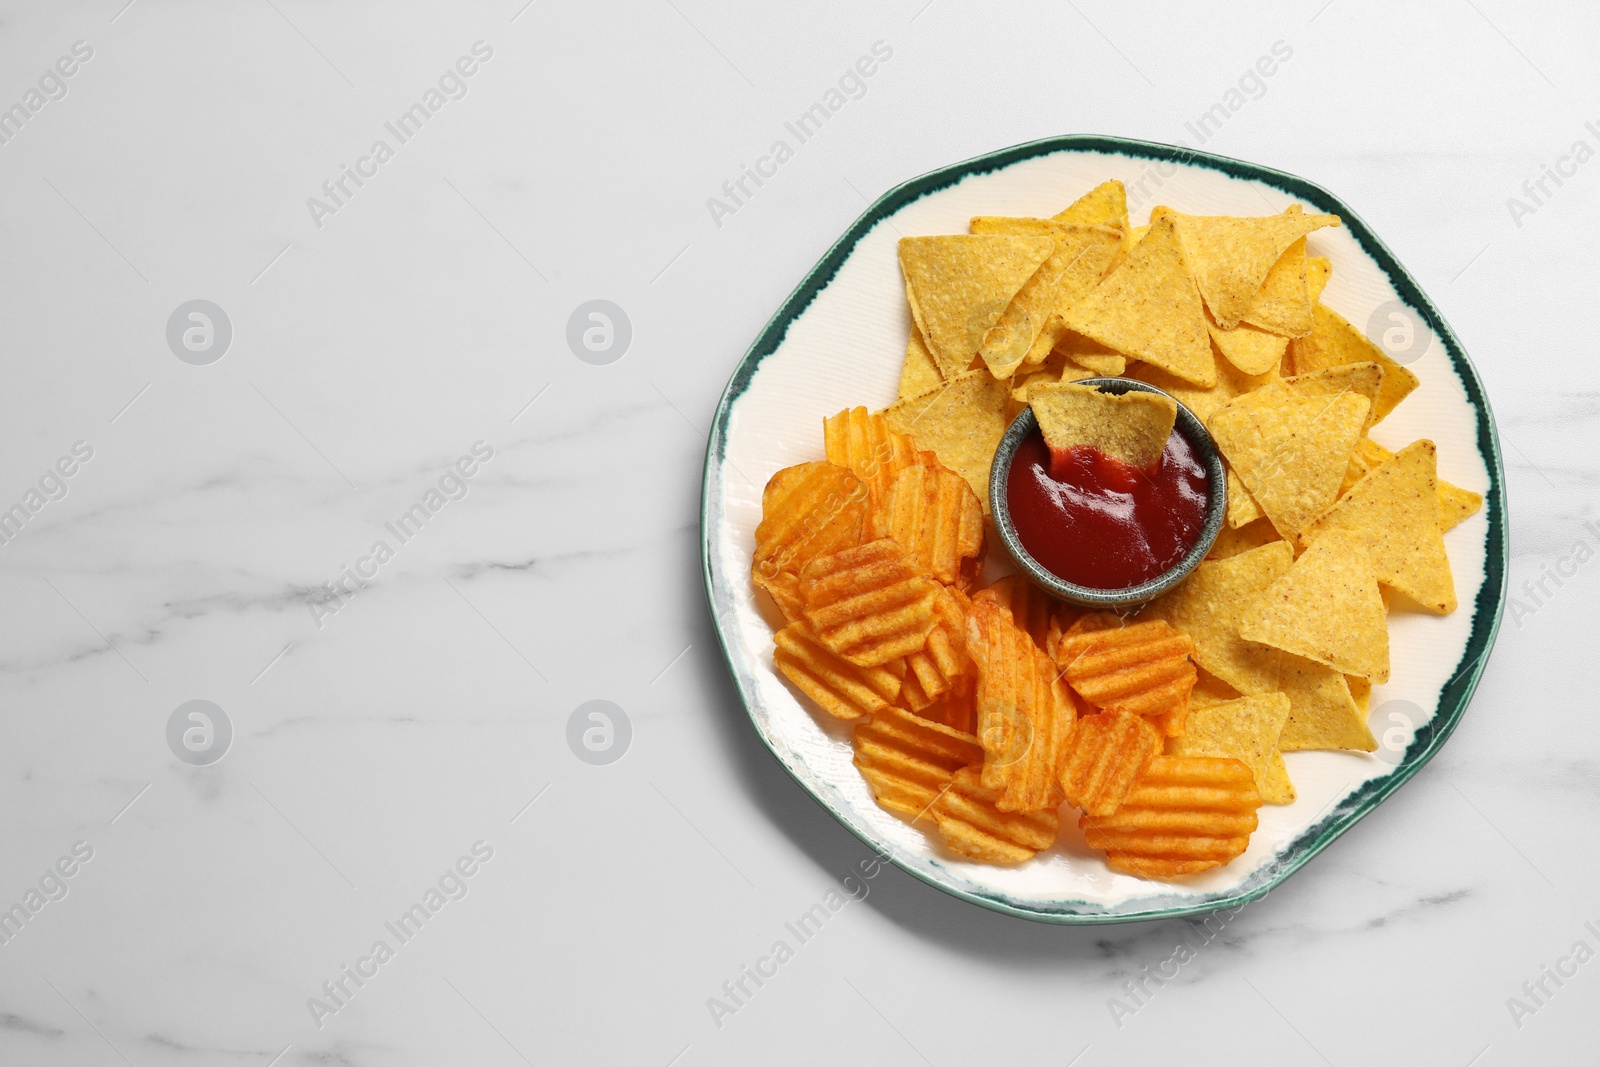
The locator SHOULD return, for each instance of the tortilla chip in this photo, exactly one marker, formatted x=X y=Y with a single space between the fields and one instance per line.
x=1133 y=427
x=1290 y=451
x=961 y=422
x=1333 y=342
x=1395 y=510
x=1251 y=350
x=1209 y=689
x=1326 y=608
x=1360 y=692
x=1283 y=303
x=920 y=373
x=1318 y=270
x=1028 y=329
x=1231 y=257
x=1208 y=607
x=1204 y=403
x=1105 y=205
x=1148 y=308
x=1455 y=503
x=1092 y=355
x=1232 y=541
x=959 y=285
x=1322 y=713
x=1245 y=729
x=1242 y=507
x=1365 y=379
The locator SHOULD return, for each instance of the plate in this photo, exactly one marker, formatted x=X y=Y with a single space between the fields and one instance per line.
x=838 y=341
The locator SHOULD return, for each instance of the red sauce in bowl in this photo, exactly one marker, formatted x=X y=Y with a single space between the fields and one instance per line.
x=1096 y=521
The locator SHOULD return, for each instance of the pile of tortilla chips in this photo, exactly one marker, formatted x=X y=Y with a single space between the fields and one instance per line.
x=984 y=707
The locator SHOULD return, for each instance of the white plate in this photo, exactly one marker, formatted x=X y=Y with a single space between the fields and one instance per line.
x=838 y=342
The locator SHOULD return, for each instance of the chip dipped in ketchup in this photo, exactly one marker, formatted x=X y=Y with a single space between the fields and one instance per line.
x=1096 y=521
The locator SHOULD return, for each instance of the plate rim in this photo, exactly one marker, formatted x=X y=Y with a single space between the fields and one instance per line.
x=1488 y=606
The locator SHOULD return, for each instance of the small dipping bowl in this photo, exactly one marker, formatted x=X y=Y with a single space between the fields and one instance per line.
x=1192 y=429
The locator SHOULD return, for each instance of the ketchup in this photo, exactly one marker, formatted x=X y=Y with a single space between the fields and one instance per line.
x=1096 y=521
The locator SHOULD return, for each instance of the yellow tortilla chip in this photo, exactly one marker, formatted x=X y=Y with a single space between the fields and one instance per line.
x=1105 y=205
x=1092 y=355
x=1208 y=605
x=1245 y=729
x=961 y=422
x=1283 y=303
x=1209 y=689
x=1365 y=379
x=1148 y=308
x=1231 y=384
x=1455 y=503
x=1133 y=427
x=1231 y=541
x=1291 y=452
x=1333 y=342
x=920 y=373
x=1242 y=507
x=1278 y=788
x=1231 y=257
x=1326 y=608
x=959 y=285
x=1318 y=270
x=1360 y=692
x=1054 y=369
x=1395 y=511
x=1252 y=350
x=1027 y=330
x=1322 y=713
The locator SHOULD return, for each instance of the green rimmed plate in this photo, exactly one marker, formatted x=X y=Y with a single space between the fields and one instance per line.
x=838 y=341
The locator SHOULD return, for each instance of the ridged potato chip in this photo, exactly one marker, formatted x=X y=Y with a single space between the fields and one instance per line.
x=1186 y=814
x=838 y=686
x=972 y=825
x=941 y=665
x=873 y=452
x=935 y=516
x=908 y=761
x=1142 y=667
x=1032 y=609
x=807 y=510
x=1025 y=715
x=1108 y=753
x=870 y=603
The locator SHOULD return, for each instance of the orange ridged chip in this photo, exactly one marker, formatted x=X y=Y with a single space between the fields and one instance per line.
x=839 y=687
x=874 y=453
x=1032 y=609
x=972 y=824
x=807 y=510
x=935 y=516
x=870 y=603
x=1143 y=667
x=1024 y=712
x=908 y=761
x=1187 y=814
x=957 y=709
x=1108 y=753
x=942 y=664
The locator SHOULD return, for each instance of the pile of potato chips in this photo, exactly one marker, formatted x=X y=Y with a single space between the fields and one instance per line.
x=983 y=708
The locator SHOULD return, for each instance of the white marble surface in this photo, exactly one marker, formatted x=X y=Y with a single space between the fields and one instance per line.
x=370 y=353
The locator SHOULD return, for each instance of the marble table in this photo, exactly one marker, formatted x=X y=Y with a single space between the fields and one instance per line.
x=396 y=509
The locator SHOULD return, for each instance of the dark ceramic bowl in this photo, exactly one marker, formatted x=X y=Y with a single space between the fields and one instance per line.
x=1194 y=432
